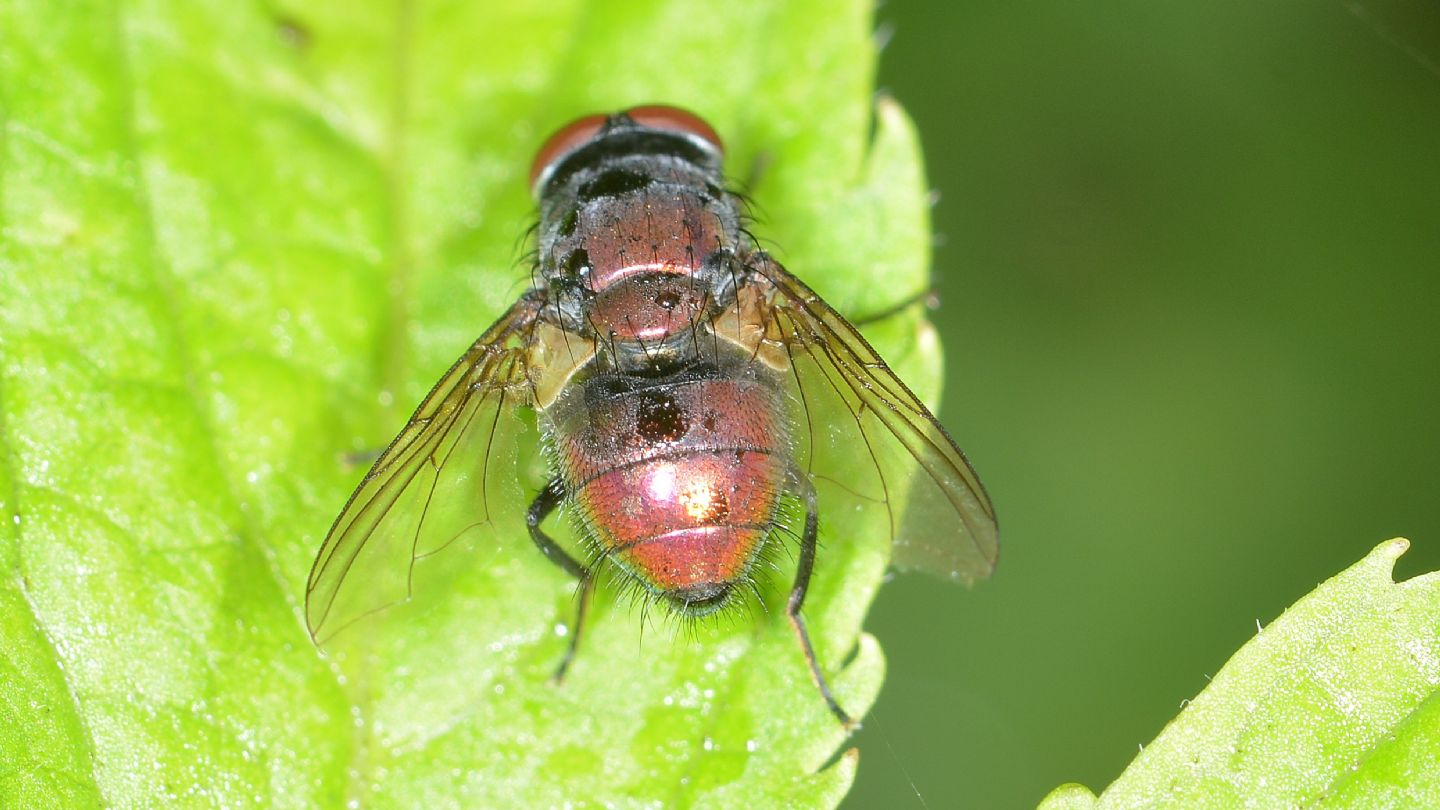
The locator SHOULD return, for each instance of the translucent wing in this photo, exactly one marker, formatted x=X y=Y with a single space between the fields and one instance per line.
x=867 y=442
x=444 y=475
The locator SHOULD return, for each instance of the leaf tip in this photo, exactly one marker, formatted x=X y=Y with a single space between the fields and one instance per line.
x=846 y=765
x=868 y=668
x=1382 y=559
x=1070 y=796
x=1394 y=547
x=887 y=107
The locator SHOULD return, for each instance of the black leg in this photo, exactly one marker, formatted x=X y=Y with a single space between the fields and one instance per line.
x=361 y=457
x=545 y=503
x=758 y=167
x=797 y=600
x=587 y=587
x=928 y=297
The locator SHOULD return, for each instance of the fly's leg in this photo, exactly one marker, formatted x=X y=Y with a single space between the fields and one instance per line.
x=357 y=458
x=587 y=587
x=545 y=503
x=758 y=167
x=797 y=600
x=930 y=298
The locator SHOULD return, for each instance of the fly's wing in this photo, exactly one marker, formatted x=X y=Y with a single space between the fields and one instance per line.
x=444 y=475
x=867 y=442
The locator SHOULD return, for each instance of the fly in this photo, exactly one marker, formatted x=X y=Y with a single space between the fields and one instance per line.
x=694 y=398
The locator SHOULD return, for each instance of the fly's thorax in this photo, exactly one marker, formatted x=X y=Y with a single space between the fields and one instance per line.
x=644 y=266
x=635 y=211
x=649 y=310
x=635 y=240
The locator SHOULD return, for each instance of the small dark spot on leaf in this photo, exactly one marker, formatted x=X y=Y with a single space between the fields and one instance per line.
x=292 y=31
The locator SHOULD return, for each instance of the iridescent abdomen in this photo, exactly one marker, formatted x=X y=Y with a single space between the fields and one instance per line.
x=678 y=481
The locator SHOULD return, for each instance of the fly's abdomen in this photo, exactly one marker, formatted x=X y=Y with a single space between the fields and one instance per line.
x=678 y=482
x=689 y=524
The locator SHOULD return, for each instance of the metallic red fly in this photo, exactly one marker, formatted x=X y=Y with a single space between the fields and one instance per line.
x=695 y=399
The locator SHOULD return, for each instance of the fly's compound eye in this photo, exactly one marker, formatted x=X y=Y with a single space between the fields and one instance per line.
x=572 y=136
x=674 y=119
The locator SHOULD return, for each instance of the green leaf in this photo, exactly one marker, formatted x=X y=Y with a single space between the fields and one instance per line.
x=1335 y=704
x=240 y=241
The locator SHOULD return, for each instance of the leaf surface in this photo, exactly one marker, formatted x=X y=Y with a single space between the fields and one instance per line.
x=239 y=243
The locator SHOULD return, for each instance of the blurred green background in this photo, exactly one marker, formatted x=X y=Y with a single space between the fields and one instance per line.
x=1190 y=269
